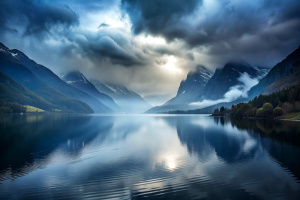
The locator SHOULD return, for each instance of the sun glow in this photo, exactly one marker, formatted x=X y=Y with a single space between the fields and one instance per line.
x=170 y=65
x=115 y=23
x=150 y=40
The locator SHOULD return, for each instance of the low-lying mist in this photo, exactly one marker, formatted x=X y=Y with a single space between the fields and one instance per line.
x=234 y=92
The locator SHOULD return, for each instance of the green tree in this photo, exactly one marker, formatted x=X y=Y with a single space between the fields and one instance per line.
x=267 y=108
x=253 y=112
x=260 y=112
x=277 y=111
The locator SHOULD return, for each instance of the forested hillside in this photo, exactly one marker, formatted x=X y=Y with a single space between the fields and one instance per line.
x=276 y=104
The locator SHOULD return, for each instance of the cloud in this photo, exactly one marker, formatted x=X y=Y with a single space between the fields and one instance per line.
x=103 y=25
x=223 y=30
x=159 y=17
x=203 y=22
x=35 y=17
x=241 y=91
x=113 y=45
x=234 y=93
x=91 y=5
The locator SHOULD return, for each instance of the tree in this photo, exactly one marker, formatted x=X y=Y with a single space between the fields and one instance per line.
x=292 y=94
x=267 y=108
x=260 y=112
x=277 y=111
x=253 y=112
x=222 y=109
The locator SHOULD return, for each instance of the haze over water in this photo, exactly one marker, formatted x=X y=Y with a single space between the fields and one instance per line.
x=147 y=157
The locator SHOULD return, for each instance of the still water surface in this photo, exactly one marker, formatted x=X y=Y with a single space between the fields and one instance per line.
x=147 y=157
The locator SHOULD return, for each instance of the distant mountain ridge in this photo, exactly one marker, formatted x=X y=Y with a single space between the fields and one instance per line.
x=79 y=81
x=128 y=100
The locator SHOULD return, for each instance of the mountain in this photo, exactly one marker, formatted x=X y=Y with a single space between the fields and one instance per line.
x=79 y=81
x=283 y=75
x=189 y=90
x=192 y=87
x=128 y=100
x=24 y=76
x=202 y=85
x=47 y=77
x=228 y=76
x=14 y=92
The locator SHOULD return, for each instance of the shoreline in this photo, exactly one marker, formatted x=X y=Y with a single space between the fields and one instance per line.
x=257 y=118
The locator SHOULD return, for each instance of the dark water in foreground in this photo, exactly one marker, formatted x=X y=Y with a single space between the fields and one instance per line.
x=147 y=157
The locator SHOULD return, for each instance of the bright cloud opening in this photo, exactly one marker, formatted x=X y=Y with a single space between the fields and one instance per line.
x=171 y=65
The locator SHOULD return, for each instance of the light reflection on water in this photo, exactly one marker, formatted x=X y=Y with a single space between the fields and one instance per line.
x=147 y=156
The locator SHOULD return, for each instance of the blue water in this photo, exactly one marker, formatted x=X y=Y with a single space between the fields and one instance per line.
x=147 y=157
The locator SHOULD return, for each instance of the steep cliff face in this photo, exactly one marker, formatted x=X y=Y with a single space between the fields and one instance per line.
x=283 y=75
x=189 y=90
x=227 y=77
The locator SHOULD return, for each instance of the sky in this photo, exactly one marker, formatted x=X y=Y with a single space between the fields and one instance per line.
x=149 y=46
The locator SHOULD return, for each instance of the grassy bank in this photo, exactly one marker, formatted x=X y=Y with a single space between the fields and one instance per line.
x=33 y=109
x=292 y=116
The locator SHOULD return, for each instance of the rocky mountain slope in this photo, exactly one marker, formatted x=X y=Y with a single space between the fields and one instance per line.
x=79 y=81
x=43 y=82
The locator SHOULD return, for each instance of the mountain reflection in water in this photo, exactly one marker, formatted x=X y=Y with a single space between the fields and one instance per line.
x=147 y=157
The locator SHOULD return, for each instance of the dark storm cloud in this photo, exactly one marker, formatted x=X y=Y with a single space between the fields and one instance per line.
x=226 y=28
x=159 y=17
x=107 y=48
x=232 y=19
x=35 y=17
x=90 y=5
x=110 y=45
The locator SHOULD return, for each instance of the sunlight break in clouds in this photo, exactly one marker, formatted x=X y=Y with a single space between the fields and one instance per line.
x=170 y=65
x=234 y=93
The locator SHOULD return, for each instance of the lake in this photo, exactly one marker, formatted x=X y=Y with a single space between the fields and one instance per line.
x=60 y=156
